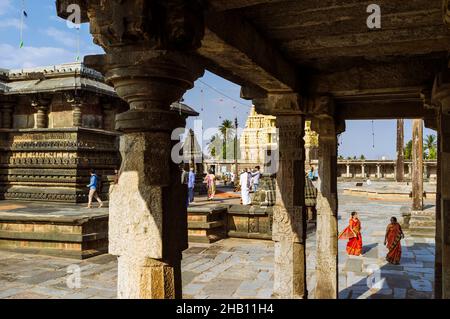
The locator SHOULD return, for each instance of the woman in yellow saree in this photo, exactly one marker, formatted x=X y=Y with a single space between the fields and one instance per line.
x=353 y=234
x=394 y=235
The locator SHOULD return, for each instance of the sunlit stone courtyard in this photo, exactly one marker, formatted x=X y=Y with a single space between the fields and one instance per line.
x=242 y=268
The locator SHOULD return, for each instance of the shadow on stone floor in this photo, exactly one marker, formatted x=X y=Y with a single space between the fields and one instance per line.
x=404 y=281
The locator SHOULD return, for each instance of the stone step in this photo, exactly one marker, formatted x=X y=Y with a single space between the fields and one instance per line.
x=421 y=223
x=423 y=234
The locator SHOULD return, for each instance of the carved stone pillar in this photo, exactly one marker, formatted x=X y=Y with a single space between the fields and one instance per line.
x=327 y=204
x=41 y=106
x=441 y=102
x=438 y=238
x=444 y=194
x=289 y=215
x=378 y=171
x=417 y=158
x=77 y=115
x=363 y=170
x=6 y=116
x=148 y=61
x=348 y=170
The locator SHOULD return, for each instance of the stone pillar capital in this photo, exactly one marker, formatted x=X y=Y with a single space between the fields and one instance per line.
x=440 y=95
x=149 y=81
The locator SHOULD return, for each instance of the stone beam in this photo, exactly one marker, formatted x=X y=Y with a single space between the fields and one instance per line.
x=63 y=9
x=393 y=77
x=224 y=5
x=235 y=45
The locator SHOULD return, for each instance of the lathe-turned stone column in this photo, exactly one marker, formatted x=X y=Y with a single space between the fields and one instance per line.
x=327 y=203
x=6 y=115
x=41 y=106
x=148 y=218
x=149 y=61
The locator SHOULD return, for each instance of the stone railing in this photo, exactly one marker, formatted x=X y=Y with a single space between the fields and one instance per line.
x=381 y=170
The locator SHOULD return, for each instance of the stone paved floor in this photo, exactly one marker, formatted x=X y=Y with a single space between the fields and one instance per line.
x=236 y=268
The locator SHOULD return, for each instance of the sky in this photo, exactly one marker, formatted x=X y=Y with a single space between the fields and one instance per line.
x=48 y=40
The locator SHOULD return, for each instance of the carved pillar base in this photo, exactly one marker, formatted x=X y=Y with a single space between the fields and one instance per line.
x=327 y=225
x=289 y=217
x=147 y=279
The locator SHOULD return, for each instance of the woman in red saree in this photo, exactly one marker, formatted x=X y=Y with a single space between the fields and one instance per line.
x=394 y=235
x=353 y=234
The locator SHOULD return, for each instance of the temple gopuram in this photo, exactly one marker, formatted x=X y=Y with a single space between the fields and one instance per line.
x=259 y=136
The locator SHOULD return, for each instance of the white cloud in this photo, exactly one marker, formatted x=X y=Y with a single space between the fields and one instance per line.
x=5 y=6
x=26 y=57
x=11 y=23
x=68 y=39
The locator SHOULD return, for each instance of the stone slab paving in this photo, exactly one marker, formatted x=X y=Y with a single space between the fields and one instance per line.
x=240 y=268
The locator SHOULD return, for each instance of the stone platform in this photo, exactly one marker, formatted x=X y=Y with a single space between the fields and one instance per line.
x=55 y=229
x=386 y=190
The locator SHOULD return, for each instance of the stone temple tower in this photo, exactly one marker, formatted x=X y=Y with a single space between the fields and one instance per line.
x=259 y=136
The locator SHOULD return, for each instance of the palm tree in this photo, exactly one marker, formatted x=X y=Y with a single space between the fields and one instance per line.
x=227 y=133
x=430 y=145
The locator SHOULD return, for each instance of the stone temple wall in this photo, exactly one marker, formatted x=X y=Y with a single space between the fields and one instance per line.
x=54 y=164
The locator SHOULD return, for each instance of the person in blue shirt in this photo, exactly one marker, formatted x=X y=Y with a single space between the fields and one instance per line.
x=311 y=175
x=191 y=185
x=93 y=186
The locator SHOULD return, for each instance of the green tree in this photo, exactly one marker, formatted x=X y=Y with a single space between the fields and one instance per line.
x=430 y=146
x=212 y=145
x=408 y=150
x=362 y=157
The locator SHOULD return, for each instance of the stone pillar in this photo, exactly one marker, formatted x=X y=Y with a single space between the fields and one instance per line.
x=425 y=170
x=400 y=163
x=363 y=170
x=410 y=169
x=77 y=115
x=378 y=171
x=348 y=170
x=438 y=239
x=289 y=219
x=148 y=223
x=289 y=213
x=327 y=204
x=41 y=106
x=417 y=158
x=6 y=116
x=150 y=68
x=444 y=183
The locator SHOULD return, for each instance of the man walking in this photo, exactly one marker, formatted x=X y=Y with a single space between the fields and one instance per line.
x=255 y=178
x=93 y=186
x=191 y=185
